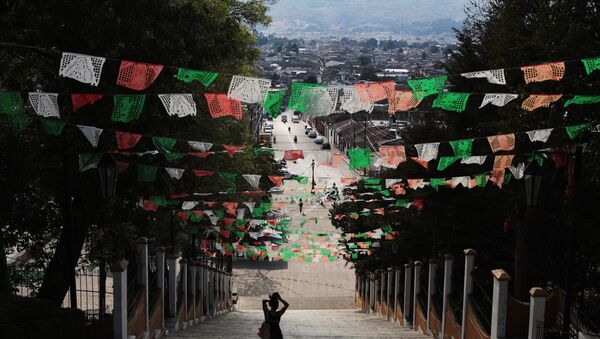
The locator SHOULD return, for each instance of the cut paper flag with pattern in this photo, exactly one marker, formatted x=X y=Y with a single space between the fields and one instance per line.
x=493 y=76
x=81 y=100
x=427 y=86
x=44 y=104
x=19 y=122
x=583 y=100
x=551 y=71
x=462 y=148
x=126 y=140
x=276 y=180
x=175 y=173
x=402 y=101
x=293 y=155
x=146 y=173
x=273 y=100
x=137 y=75
x=351 y=103
x=247 y=89
x=229 y=178
x=451 y=101
x=540 y=134
x=360 y=158
x=479 y=160
x=574 y=131
x=591 y=64
x=92 y=134
x=536 y=101
x=164 y=144
x=252 y=179
x=375 y=91
x=427 y=152
x=202 y=174
x=88 y=161
x=190 y=75
x=444 y=162
x=503 y=161
x=51 y=126
x=504 y=142
x=319 y=101
x=296 y=101
x=11 y=103
x=232 y=149
x=498 y=99
x=127 y=107
x=188 y=205
x=200 y=146
x=219 y=105
x=518 y=171
x=81 y=67
x=392 y=156
x=180 y=105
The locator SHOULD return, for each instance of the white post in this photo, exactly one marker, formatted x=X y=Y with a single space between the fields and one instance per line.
x=537 y=310
x=194 y=269
x=119 y=273
x=499 y=304
x=142 y=275
x=397 y=277
x=172 y=262
x=468 y=286
x=382 y=292
x=407 y=287
x=390 y=275
x=160 y=281
x=184 y=280
x=448 y=262
x=371 y=293
x=211 y=291
x=430 y=290
x=417 y=285
x=205 y=291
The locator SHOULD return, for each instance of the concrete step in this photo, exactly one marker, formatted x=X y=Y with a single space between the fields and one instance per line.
x=300 y=303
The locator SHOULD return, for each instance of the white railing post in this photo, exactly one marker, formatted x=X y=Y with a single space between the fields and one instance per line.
x=160 y=282
x=407 y=287
x=184 y=281
x=119 y=273
x=499 y=304
x=142 y=275
x=172 y=262
x=417 y=285
x=371 y=293
x=448 y=262
x=194 y=269
x=537 y=310
x=397 y=277
x=468 y=286
x=382 y=284
x=430 y=290
x=390 y=276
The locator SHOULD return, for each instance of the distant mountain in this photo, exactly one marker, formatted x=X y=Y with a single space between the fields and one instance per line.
x=418 y=17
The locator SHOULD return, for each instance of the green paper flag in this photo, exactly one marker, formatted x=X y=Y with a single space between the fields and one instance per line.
x=354 y=255
x=437 y=182
x=302 y=181
x=229 y=178
x=481 y=179
x=88 y=161
x=127 y=107
x=273 y=101
x=296 y=101
x=260 y=151
x=189 y=75
x=462 y=148
x=146 y=173
x=583 y=100
x=591 y=64
x=11 y=103
x=164 y=144
x=159 y=200
x=372 y=181
x=444 y=162
x=360 y=158
x=385 y=193
x=428 y=86
x=19 y=122
x=302 y=222
x=456 y=102
x=507 y=177
x=402 y=203
x=574 y=131
x=387 y=229
x=219 y=213
x=537 y=158
x=52 y=126
x=373 y=187
x=173 y=156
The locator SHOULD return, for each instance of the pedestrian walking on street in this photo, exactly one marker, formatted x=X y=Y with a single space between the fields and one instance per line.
x=301 y=204
x=270 y=328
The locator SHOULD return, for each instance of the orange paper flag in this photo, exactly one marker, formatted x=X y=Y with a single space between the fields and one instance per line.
x=552 y=71
x=536 y=101
x=402 y=101
x=392 y=156
x=504 y=142
x=219 y=105
x=503 y=161
x=375 y=91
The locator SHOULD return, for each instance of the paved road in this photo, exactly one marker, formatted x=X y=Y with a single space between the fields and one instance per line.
x=323 y=285
x=301 y=324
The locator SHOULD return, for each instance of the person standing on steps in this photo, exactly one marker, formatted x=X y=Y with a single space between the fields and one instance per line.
x=300 y=205
x=273 y=316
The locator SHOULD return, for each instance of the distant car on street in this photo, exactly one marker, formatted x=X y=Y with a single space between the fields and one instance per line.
x=307 y=130
x=295 y=119
x=319 y=140
x=312 y=134
x=284 y=118
x=276 y=190
x=326 y=145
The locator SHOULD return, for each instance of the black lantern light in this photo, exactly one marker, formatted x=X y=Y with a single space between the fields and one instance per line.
x=534 y=176
x=107 y=176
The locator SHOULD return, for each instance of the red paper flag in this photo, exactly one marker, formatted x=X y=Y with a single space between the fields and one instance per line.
x=209 y=203
x=149 y=206
x=179 y=196
x=219 y=105
x=241 y=228
x=123 y=166
x=201 y=173
x=232 y=150
x=277 y=180
x=226 y=233
x=127 y=140
x=80 y=100
x=379 y=211
x=423 y=163
x=230 y=207
x=200 y=155
x=198 y=213
x=419 y=204
x=348 y=181
x=293 y=155
x=183 y=215
x=228 y=221
x=137 y=75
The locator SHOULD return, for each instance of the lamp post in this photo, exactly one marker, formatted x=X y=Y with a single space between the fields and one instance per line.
x=107 y=179
x=312 y=165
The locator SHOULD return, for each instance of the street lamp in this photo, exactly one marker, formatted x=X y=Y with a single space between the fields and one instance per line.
x=312 y=164
x=107 y=176
x=534 y=176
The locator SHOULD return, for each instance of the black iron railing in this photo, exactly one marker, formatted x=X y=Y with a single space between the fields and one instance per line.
x=482 y=303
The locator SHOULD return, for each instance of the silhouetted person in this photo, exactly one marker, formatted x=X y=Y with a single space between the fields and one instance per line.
x=273 y=316
x=300 y=204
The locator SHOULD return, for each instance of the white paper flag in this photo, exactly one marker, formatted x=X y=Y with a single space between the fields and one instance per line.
x=175 y=173
x=390 y=182
x=427 y=152
x=464 y=181
x=351 y=103
x=518 y=171
x=81 y=67
x=180 y=105
x=188 y=205
x=540 y=134
x=240 y=214
x=248 y=90
x=44 y=104
x=200 y=146
x=250 y=205
x=479 y=160
x=91 y=133
x=498 y=99
x=493 y=76
x=252 y=179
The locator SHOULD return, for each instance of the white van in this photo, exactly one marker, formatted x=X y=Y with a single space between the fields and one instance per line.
x=295 y=119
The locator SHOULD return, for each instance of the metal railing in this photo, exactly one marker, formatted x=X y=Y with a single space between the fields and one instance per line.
x=482 y=303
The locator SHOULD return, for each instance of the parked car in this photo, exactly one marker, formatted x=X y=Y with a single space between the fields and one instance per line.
x=307 y=130
x=295 y=119
x=284 y=118
x=288 y=175
x=319 y=140
x=276 y=190
x=312 y=134
x=326 y=145
x=269 y=118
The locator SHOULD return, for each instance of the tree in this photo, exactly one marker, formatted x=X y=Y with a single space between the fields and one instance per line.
x=371 y=43
x=198 y=35
x=364 y=60
x=368 y=73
